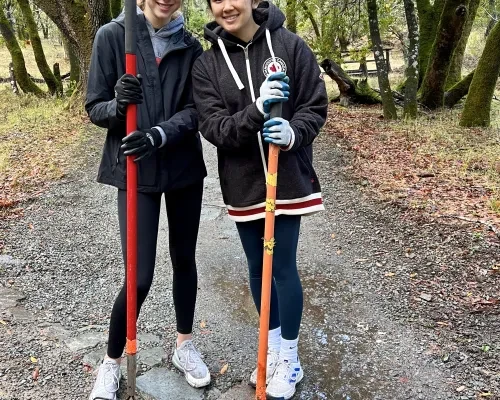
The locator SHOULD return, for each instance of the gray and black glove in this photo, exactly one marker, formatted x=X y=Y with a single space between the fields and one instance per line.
x=141 y=143
x=128 y=90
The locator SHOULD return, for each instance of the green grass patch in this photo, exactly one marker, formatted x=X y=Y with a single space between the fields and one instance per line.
x=38 y=141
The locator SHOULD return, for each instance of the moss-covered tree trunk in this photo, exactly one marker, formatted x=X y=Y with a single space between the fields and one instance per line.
x=79 y=22
x=74 y=72
x=458 y=91
x=478 y=104
x=116 y=7
x=449 y=31
x=428 y=15
x=382 y=69
x=310 y=15
x=455 y=73
x=351 y=91
x=291 y=15
x=36 y=44
x=411 y=87
x=21 y=74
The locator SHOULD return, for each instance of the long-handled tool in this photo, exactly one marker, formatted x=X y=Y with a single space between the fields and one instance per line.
x=267 y=270
x=131 y=68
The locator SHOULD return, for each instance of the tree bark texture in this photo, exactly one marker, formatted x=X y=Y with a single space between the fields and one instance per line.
x=411 y=87
x=351 y=91
x=20 y=72
x=12 y=79
x=458 y=91
x=382 y=69
x=455 y=73
x=449 y=31
x=37 y=47
x=78 y=23
x=477 y=107
x=74 y=72
x=428 y=15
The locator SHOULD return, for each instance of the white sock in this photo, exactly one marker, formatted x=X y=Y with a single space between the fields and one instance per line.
x=274 y=339
x=288 y=351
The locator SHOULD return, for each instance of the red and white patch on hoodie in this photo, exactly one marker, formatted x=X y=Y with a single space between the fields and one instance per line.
x=271 y=67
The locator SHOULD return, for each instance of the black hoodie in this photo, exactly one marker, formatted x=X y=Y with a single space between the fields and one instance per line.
x=168 y=103
x=231 y=121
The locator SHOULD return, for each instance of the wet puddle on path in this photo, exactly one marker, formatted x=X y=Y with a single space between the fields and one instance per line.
x=335 y=351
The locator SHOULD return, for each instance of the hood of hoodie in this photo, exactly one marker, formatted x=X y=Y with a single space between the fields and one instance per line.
x=164 y=38
x=266 y=15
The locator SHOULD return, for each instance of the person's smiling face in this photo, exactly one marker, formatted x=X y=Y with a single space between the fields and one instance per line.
x=235 y=16
x=159 y=12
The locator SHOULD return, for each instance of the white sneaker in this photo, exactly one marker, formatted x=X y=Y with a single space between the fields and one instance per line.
x=285 y=378
x=187 y=359
x=272 y=361
x=107 y=382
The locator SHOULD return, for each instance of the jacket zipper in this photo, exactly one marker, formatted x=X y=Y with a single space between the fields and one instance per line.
x=252 y=92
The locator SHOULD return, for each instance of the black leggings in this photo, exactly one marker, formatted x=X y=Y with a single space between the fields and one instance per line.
x=286 y=290
x=183 y=212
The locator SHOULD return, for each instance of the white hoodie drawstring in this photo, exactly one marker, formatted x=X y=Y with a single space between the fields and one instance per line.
x=241 y=86
x=230 y=65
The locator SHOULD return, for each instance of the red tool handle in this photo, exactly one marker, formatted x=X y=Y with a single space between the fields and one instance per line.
x=131 y=274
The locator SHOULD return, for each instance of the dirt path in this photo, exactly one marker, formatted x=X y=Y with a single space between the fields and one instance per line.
x=362 y=336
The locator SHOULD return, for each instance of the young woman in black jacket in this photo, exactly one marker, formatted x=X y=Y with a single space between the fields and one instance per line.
x=254 y=61
x=170 y=162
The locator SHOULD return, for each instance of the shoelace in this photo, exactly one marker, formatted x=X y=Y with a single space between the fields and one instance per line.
x=193 y=358
x=111 y=371
x=283 y=371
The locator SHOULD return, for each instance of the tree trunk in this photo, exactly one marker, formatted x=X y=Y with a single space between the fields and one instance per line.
x=100 y=14
x=427 y=16
x=74 y=72
x=493 y=17
x=36 y=44
x=458 y=91
x=57 y=75
x=455 y=73
x=449 y=31
x=382 y=67
x=78 y=23
x=310 y=15
x=411 y=87
x=12 y=78
x=351 y=91
x=478 y=104
x=291 y=15
x=20 y=72
x=116 y=8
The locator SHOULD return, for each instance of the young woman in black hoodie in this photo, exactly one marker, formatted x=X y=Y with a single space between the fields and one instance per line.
x=169 y=159
x=254 y=61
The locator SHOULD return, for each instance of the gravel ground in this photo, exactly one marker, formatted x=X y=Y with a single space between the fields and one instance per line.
x=395 y=308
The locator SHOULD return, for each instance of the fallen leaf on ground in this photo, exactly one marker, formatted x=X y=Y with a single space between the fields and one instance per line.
x=36 y=372
x=203 y=324
x=224 y=369
x=390 y=274
x=461 y=388
x=33 y=360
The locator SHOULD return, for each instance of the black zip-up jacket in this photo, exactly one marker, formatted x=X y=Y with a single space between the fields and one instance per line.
x=230 y=120
x=168 y=103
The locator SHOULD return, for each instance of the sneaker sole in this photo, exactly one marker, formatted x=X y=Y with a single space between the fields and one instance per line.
x=196 y=383
x=289 y=395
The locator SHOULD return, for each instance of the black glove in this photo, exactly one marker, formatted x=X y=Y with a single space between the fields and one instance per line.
x=141 y=143
x=128 y=90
